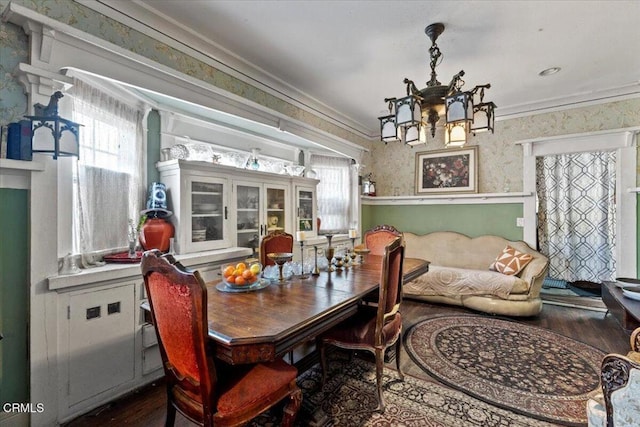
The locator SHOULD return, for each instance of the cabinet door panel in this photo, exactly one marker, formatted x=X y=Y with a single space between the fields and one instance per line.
x=101 y=341
x=277 y=207
x=205 y=211
x=306 y=210
x=249 y=204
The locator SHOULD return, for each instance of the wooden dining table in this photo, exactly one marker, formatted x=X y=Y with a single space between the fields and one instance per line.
x=263 y=325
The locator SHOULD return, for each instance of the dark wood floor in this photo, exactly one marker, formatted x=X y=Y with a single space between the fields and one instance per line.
x=146 y=407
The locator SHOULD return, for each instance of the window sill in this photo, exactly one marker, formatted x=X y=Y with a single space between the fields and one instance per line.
x=119 y=272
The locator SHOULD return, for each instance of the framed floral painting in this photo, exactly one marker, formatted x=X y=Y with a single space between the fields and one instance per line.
x=447 y=171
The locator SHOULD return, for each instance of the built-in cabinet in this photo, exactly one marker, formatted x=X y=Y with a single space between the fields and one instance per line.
x=106 y=346
x=216 y=206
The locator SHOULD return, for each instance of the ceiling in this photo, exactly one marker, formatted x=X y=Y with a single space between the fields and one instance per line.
x=342 y=58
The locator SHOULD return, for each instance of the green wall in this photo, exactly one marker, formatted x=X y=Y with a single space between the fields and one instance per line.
x=153 y=146
x=14 y=295
x=472 y=220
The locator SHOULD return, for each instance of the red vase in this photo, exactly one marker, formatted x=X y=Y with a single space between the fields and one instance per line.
x=156 y=234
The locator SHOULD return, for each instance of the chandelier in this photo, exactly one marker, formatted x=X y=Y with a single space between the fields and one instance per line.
x=410 y=116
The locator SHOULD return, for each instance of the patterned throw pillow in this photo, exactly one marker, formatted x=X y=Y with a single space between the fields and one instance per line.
x=510 y=261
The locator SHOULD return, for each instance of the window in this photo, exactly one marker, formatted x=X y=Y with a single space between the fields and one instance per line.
x=108 y=177
x=335 y=192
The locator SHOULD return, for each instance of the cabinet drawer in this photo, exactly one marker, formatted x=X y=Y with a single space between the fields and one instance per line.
x=149 y=337
x=151 y=360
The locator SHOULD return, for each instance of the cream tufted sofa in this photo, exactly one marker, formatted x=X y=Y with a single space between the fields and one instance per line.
x=459 y=274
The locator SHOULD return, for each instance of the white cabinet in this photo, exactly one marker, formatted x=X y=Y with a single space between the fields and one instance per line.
x=234 y=207
x=200 y=205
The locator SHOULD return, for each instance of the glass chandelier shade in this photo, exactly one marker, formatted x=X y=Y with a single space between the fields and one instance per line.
x=455 y=134
x=408 y=111
x=459 y=107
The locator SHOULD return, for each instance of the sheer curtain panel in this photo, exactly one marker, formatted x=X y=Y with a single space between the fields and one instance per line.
x=109 y=176
x=335 y=191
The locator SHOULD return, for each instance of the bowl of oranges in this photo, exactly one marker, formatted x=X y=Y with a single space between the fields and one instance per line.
x=241 y=274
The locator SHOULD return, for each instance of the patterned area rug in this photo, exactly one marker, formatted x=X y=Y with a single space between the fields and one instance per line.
x=348 y=399
x=524 y=368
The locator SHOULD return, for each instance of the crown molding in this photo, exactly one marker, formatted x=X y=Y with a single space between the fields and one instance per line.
x=144 y=19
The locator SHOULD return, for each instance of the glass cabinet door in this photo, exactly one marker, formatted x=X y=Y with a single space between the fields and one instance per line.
x=306 y=216
x=208 y=208
x=248 y=208
x=276 y=208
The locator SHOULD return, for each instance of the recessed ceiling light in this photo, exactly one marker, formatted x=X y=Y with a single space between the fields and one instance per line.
x=549 y=71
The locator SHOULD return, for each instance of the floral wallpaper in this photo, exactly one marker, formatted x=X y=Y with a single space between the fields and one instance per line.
x=499 y=158
x=13 y=50
x=392 y=165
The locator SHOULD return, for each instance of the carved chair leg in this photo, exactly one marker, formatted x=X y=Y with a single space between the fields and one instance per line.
x=398 y=348
x=379 y=370
x=292 y=407
x=323 y=361
x=171 y=415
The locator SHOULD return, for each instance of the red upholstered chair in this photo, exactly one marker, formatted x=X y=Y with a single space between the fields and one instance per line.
x=275 y=241
x=378 y=237
x=374 y=328
x=203 y=392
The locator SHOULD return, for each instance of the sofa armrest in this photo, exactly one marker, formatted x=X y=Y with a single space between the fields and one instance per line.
x=534 y=274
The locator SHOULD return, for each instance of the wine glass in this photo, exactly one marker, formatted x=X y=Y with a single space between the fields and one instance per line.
x=280 y=258
x=329 y=254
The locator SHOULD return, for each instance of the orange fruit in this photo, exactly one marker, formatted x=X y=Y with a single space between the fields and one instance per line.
x=248 y=275
x=240 y=281
x=241 y=266
x=230 y=279
x=228 y=271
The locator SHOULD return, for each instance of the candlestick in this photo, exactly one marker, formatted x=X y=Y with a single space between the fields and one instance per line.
x=300 y=236
x=302 y=276
x=353 y=234
x=316 y=271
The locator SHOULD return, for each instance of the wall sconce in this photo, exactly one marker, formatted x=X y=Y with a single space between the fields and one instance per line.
x=64 y=138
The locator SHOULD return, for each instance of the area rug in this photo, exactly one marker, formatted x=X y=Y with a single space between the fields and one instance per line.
x=348 y=399
x=526 y=369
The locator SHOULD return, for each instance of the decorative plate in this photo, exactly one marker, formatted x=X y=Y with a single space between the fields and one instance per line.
x=631 y=292
x=260 y=284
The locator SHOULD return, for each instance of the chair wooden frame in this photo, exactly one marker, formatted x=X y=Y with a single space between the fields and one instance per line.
x=197 y=398
x=387 y=311
x=372 y=236
x=269 y=238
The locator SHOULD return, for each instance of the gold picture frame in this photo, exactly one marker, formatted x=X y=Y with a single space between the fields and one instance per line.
x=447 y=171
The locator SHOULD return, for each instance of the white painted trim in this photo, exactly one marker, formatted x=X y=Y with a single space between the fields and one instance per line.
x=183 y=39
x=634 y=190
x=606 y=96
x=623 y=141
x=116 y=63
x=16 y=174
x=447 y=199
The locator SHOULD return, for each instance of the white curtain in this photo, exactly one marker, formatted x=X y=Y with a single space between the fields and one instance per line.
x=108 y=179
x=335 y=192
x=576 y=215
